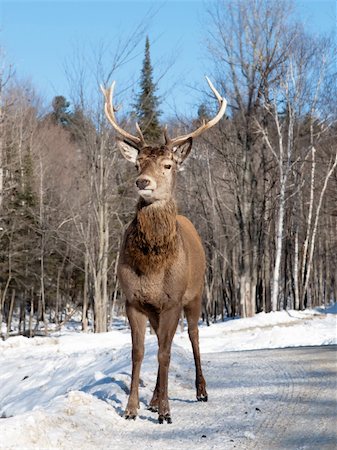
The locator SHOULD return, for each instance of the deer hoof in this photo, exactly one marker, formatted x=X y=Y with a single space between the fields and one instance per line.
x=130 y=416
x=153 y=408
x=202 y=398
x=166 y=417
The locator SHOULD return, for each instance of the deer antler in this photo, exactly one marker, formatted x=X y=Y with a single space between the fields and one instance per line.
x=110 y=113
x=205 y=125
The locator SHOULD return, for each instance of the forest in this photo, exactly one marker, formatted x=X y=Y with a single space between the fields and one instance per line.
x=260 y=186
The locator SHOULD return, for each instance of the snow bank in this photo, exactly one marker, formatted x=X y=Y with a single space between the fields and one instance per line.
x=272 y=330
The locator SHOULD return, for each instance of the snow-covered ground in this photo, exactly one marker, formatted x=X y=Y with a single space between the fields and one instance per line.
x=69 y=390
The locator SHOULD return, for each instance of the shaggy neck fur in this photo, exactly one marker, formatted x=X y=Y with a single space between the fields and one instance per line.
x=152 y=243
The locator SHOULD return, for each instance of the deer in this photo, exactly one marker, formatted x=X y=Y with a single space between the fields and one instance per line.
x=162 y=262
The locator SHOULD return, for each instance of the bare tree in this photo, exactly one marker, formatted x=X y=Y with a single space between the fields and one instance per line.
x=249 y=44
x=100 y=210
x=6 y=74
x=275 y=76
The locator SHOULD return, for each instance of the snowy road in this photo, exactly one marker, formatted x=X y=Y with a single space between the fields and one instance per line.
x=260 y=399
x=266 y=399
x=274 y=399
x=69 y=391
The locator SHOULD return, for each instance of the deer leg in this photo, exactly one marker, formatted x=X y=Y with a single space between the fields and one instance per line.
x=137 y=322
x=154 y=403
x=167 y=326
x=192 y=315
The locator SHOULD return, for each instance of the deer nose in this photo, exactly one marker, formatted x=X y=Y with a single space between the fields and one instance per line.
x=142 y=183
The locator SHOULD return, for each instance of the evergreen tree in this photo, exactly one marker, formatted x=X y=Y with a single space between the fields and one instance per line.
x=146 y=107
x=203 y=113
x=60 y=114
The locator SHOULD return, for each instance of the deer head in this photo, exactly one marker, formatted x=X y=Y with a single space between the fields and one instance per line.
x=157 y=164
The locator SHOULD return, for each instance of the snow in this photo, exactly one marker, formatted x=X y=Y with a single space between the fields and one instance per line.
x=69 y=390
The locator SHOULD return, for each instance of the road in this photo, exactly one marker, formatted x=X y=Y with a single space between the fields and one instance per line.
x=285 y=398
x=262 y=399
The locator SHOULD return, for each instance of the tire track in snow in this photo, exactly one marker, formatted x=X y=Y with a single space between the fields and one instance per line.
x=291 y=401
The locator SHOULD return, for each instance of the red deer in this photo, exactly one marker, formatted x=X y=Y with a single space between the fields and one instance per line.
x=162 y=261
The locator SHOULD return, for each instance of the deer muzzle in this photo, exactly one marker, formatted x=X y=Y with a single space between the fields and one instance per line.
x=142 y=183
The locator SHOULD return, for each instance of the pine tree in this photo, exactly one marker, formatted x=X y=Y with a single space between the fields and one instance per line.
x=147 y=106
x=60 y=114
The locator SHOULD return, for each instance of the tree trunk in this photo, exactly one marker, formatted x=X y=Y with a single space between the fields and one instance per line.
x=10 y=314
x=296 y=272
x=278 y=254
x=315 y=227
x=85 y=293
x=31 y=313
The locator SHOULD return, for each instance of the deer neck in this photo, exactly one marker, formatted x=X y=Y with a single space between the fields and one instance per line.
x=157 y=222
x=153 y=243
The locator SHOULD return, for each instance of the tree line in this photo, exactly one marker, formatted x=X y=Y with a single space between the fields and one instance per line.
x=261 y=187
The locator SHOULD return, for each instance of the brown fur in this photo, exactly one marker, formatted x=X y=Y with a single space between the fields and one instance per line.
x=161 y=272
x=151 y=242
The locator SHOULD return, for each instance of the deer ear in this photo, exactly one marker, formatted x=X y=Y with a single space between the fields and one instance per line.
x=128 y=150
x=181 y=152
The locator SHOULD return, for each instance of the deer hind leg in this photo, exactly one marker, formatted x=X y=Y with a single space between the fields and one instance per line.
x=154 y=403
x=192 y=313
x=137 y=322
x=167 y=326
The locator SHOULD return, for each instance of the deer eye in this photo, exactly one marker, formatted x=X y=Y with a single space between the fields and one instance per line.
x=167 y=166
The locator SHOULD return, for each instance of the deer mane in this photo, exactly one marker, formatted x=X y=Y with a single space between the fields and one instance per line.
x=152 y=241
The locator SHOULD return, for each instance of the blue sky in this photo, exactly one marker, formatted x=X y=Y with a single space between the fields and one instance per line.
x=40 y=38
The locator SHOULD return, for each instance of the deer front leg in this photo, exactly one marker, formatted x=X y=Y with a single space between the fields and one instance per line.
x=167 y=326
x=137 y=322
